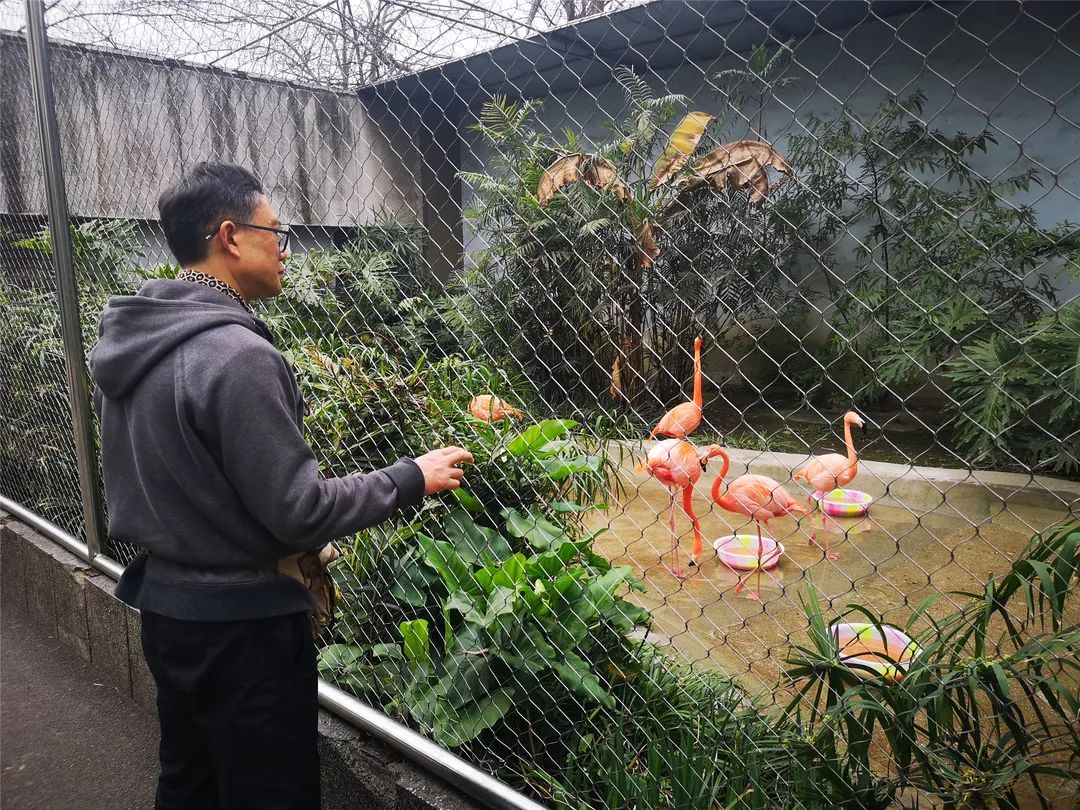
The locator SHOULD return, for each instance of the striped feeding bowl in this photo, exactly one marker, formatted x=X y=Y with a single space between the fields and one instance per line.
x=869 y=648
x=740 y=551
x=844 y=502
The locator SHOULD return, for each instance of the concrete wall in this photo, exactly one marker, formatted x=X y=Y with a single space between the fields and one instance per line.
x=75 y=603
x=129 y=126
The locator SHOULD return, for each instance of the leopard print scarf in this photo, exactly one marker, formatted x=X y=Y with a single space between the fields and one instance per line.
x=195 y=277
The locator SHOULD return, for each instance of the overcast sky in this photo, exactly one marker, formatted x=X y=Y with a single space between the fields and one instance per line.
x=346 y=42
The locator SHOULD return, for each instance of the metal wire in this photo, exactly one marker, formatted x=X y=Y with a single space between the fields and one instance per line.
x=867 y=208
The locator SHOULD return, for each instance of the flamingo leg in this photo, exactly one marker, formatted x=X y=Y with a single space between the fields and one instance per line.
x=829 y=555
x=813 y=524
x=743 y=582
x=756 y=595
x=675 y=569
x=688 y=507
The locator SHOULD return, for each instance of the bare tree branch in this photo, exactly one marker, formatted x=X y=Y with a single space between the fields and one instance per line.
x=342 y=44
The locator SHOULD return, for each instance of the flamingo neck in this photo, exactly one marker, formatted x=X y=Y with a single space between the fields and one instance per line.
x=719 y=482
x=697 y=375
x=852 y=456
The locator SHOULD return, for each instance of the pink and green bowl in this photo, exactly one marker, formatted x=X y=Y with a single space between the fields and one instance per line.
x=740 y=552
x=844 y=502
x=868 y=649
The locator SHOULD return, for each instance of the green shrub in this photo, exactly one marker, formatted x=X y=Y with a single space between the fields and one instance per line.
x=944 y=258
x=990 y=704
x=1017 y=399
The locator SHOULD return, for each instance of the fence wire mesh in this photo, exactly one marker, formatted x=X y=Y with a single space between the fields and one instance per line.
x=864 y=212
x=38 y=466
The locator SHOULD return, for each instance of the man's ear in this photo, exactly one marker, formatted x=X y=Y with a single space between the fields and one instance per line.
x=226 y=238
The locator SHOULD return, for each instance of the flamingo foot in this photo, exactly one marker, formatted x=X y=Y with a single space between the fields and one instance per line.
x=831 y=555
x=677 y=572
x=753 y=597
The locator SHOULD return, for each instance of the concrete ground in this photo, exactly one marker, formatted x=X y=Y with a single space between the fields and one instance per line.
x=67 y=739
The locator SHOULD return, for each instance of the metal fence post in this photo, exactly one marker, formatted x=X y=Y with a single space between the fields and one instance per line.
x=67 y=288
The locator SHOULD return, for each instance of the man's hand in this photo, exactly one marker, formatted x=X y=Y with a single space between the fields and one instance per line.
x=440 y=468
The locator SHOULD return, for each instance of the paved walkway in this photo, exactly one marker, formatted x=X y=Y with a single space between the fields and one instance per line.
x=66 y=738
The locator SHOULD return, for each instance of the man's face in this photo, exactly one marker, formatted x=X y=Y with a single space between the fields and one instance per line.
x=260 y=266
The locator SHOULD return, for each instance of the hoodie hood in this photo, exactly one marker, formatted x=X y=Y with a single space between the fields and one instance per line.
x=137 y=331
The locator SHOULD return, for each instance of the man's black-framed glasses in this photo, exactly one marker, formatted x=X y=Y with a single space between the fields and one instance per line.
x=282 y=240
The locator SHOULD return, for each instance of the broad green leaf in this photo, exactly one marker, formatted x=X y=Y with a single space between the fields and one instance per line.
x=468 y=500
x=456 y=575
x=568 y=551
x=417 y=645
x=412 y=582
x=467 y=678
x=460 y=601
x=499 y=603
x=483 y=578
x=534 y=527
x=475 y=543
x=455 y=727
x=340 y=656
x=387 y=651
x=559 y=468
x=626 y=615
x=567 y=506
x=530 y=652
x=604 y=586
x=549 y=564
x=551 y=448
x=538 y=435
x=574 y=672
x=512 y=572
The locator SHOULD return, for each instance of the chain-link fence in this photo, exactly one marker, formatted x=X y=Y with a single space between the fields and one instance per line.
x=863 y=210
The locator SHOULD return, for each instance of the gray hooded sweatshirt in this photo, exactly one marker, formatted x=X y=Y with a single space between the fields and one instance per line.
x=205 y=463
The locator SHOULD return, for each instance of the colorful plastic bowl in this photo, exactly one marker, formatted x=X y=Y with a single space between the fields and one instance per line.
x=869 y=648
x=844 y=502
x=740 y=551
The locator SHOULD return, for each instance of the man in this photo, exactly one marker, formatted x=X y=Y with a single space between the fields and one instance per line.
x=205 y=465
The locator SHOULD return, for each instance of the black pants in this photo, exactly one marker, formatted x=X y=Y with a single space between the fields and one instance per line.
x=238 y=706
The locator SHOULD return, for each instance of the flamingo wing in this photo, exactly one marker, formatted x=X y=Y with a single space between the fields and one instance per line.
x=838 y=468
x=827 y=472
x=671 y=462
x=679 y=422
x=752 y=496
x=771 y=496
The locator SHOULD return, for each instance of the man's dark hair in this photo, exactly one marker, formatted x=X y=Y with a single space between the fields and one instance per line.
x=204 y=197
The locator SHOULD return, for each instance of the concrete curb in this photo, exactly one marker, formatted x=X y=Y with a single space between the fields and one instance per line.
x=972 y=494
x=61 y=593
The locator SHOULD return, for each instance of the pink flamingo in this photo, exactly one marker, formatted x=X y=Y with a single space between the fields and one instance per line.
x=683 y=419
x=761 y=499
x=491 y=408
x=677 y=464
x=830 y=471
